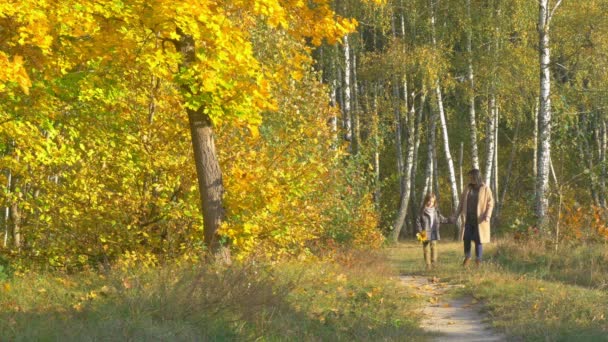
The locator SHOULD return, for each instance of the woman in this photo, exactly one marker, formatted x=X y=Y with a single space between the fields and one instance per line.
x=475 y=206
x=428 y=221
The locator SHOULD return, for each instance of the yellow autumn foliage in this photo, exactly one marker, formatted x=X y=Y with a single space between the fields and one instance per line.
x=93 y=99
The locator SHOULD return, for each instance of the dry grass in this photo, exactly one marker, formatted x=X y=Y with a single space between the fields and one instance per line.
x=352 y=297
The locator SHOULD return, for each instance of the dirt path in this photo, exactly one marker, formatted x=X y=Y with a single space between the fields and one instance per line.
x=455 y=319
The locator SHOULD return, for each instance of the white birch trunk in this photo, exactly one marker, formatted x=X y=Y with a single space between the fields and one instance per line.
x=490 y=143
x=375 y=122
x=428 y=175
x=347 y=93
x=419 y=117
x=355 y=110
x=13 y=214
x=409 y=160
x=496 y=152
x=15 y=211
x=402 y=22
x=436 y=174
x=460 y=160
x=7 y=210
x=535 y=166
x=444 y=129
x=495 y=168
x=544 y=119
x=446 y=145
x=470 y=76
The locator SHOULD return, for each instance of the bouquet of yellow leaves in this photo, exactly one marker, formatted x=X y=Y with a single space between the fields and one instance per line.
x=421 y=236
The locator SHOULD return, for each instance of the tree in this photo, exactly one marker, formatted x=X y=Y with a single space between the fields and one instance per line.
x=211 y=59
x=471 y=79
x=544 y=115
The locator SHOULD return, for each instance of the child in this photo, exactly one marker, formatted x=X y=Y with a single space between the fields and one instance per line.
x=427 y=226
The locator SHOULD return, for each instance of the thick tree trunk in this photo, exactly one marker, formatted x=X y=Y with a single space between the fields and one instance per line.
x=208 y=173
x=208 y=170
x=470 y=76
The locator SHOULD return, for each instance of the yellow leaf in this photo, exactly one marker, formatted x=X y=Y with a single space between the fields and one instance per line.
x=255 y=133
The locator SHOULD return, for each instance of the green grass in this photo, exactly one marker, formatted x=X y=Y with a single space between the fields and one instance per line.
x=530 y=293
x=354 y=299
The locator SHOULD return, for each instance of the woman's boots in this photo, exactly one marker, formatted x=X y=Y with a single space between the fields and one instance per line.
x=467 y=260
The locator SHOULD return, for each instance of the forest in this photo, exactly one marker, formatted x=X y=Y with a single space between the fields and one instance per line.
x=137 y=134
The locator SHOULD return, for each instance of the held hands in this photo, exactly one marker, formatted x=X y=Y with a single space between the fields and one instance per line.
x=454 y=218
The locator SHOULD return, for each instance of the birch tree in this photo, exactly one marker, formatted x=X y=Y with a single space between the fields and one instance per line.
x=346 y=109
x=490 y=139
x=407 y=173
x=471 y=79
x=545 y=14
x=442 y=120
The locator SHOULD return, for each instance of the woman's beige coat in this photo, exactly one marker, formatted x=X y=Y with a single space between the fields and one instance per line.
x=485 y=205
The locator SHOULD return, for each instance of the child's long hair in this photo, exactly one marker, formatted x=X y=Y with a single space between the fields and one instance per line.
x=429 y=196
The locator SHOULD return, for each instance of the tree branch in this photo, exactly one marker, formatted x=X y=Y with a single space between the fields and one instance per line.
x=559 y=2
